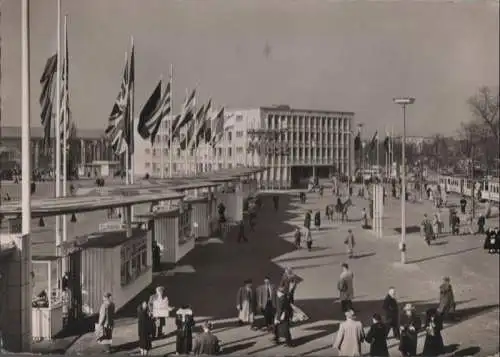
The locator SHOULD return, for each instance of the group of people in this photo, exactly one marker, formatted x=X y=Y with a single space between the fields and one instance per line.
x=405 y=328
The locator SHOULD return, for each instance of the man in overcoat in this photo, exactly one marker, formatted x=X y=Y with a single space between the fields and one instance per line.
x=391 y=310
x=266 y=301
x=282 y=317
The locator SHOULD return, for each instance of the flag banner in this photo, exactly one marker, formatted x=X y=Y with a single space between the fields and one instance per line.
x=186 y=135
x=187 y=114
x=118 y=130
x=198 y=125
x=154 y=112
x=46 y=98
x=217 y=127
x=65 y=111
x=357 y=142
x=374 y=140
x=386 y=142
x=207 y=127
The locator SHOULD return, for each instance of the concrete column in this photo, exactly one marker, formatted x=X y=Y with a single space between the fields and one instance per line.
x=378 y=209
x=15 y=321
x=36 y=162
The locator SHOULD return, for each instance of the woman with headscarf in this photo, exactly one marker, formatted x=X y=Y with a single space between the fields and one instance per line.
x=377 y=337
x=410 y=327
x=144 y=328
x=446 y=299
x=433 y=345
x=184 y=322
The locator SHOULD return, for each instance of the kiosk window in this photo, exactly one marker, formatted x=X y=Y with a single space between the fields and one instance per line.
x=134 y=260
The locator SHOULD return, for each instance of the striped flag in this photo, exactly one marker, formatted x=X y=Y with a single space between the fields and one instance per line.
x=154 y=111
x=357 y=141
x=65 y=111
x=186 y=116
x=207 y=128
x=118 y=131
x=374 y=140
x=46 y=98
x=198 y=127
x=386 y=141
x=217 y=127
x=184 y=137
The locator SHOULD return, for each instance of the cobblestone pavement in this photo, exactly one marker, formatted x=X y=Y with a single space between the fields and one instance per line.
x=208 y=277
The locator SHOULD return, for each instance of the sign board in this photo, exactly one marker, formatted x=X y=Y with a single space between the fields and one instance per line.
x=112 y=225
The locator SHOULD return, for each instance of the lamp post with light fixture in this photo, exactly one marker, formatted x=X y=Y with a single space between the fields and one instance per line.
x=403 y=102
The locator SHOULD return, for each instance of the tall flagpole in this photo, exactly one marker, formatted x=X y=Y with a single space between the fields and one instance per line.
x=186 y=170
x=65 y=138
x=132 y=123
x=58 y=123
x=25 y=178
x=378 y=157
x=171 y=121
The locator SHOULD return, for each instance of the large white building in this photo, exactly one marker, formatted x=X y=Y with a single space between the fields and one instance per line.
x=294 y=144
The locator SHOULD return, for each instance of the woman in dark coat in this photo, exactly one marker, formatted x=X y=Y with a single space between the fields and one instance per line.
x=184 y=321
x=410 y=327
x=433 y=345
x=307 y=220
x=317 y=220
x=446 y=299
x=377 y=338
x=145 y=328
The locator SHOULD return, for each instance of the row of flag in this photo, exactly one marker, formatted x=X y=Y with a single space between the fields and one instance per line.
x=190 y=127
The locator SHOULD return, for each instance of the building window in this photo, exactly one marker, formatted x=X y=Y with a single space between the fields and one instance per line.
x=154 y=152
x=165 y=151
x=147 y=165
x=184 y=223
x=134 y=260
x=229 y=152
x=239 y=134
x=178 y=152
x=147 y=151
x=229 y=136
x=239 y=118
x=239 y=150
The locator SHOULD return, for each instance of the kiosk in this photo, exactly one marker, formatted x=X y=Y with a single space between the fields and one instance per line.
x=230 y=195
x=47 y=311
x=115 y=263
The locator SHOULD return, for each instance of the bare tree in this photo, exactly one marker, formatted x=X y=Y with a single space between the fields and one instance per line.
x=485 y=106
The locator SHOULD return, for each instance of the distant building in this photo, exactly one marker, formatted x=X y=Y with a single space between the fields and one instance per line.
x=293 y=144
x=90 y=146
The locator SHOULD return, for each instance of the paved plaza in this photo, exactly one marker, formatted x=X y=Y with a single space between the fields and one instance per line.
x=209 y=276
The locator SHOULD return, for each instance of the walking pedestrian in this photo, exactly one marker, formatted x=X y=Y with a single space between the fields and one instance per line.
x=144 y=328
x=350 y=243
x=481 y=222
x=297 y=235
x=433 y=345
x=345 y=287
x=241 y=232
x=307 y=220
x=377 y=338
x=463 y=204
x=410 y=328
x=364 y=218
x=184 y=322
x=349 y=336
x=391 y=310
x=107 y=322
x=266 y=301
x=160 y=310
x=246 y=302
x=447 y=303
x=435 y=226
x=276 y=201
x=282 y=317
x=309 y=240
x=206 y=343
x=426 y=228
x=317 y=220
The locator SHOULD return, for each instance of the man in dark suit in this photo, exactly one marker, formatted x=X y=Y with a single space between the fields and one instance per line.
x=206 y=343
x=391 y=309
x=266 y=301
x=282 y=318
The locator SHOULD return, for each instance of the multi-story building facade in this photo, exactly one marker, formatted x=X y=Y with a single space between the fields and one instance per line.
x=293 y=144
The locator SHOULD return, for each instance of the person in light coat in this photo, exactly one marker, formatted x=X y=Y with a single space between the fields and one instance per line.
x=349 y=336
x=160 y=308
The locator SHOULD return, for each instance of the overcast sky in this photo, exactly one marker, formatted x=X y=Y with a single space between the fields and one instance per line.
x=339 y=55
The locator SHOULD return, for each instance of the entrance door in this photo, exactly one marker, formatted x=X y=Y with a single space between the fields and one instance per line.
x=75 y=273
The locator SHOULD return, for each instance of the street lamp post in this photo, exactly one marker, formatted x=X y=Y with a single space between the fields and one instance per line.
x=403 y=101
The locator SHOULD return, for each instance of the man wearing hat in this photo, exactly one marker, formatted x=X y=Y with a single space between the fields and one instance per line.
x=349 y=336
x=410 y=326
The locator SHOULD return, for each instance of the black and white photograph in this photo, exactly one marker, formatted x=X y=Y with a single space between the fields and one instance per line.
x=250 y=177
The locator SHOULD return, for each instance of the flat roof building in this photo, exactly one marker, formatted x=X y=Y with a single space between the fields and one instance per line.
x=292 y=144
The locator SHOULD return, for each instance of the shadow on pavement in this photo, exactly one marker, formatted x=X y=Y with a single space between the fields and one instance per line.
x=444 y=255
